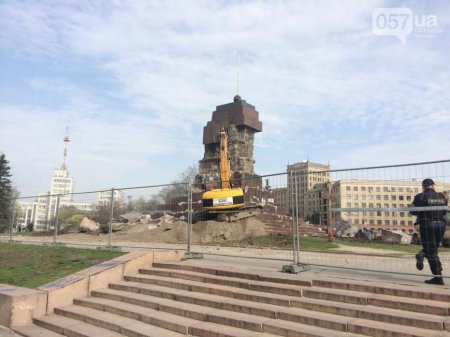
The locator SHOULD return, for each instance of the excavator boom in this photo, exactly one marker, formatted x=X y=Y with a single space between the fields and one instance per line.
x=227 y=197
x=224 y=163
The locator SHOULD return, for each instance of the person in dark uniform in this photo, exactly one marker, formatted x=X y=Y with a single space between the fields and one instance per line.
x=431 y=227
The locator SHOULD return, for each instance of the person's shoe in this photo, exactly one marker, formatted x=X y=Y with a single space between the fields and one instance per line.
x=419 y=260
x=435 y=280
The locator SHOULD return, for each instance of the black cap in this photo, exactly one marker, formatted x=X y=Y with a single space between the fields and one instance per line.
x=427 y=182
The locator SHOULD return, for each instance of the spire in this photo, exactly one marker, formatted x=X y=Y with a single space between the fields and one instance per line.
x=66 y=140
x=237 y=72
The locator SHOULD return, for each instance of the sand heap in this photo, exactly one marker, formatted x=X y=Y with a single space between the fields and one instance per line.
x=203 y=232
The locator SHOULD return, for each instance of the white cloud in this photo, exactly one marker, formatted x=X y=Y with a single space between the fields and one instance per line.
x=137 y=81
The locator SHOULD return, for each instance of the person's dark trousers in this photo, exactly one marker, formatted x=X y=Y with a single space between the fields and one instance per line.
x=431 y=234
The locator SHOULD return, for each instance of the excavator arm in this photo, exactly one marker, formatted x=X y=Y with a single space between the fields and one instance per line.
x=224 y=164
x=226 y=197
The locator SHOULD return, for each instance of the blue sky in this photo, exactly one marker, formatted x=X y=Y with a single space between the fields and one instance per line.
x=136 y=81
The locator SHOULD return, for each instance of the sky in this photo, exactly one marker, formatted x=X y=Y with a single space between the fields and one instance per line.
x=136 y=82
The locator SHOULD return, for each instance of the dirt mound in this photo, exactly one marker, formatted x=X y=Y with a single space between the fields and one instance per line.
x=202 y=232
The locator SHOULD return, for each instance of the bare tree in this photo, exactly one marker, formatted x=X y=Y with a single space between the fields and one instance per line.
x=179 y=187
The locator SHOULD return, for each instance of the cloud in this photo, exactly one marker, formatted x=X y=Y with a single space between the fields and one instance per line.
x=137 y=81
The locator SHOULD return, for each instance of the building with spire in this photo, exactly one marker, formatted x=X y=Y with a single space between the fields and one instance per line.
x=42 y=211
x=62 y=183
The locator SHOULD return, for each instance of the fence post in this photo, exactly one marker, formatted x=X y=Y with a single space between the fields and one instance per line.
x=296 y=266
x=189 y=229
x=189 y=254
x=294 y=243
x=329 y=215
x=47 y=213
x=11 y=223
x=291 y=268
x=297 y=231
x=57 y=218
x=111 y=216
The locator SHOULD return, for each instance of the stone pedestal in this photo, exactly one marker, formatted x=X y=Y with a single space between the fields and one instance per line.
x=242 y=122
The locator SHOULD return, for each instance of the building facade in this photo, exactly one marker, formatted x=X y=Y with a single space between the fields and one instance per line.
x=373 y=194
x=308 y=180
x=311 y=188
x=104 y=197
x=44 y=208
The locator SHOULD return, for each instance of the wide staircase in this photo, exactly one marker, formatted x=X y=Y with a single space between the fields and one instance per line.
x=178 y=299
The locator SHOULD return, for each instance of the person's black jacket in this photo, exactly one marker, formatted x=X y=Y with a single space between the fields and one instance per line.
x=429 y=197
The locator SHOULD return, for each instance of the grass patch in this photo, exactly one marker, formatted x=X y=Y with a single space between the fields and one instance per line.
x=285 y=242
x=406 y=249
x=31 y=266
x=322 y=244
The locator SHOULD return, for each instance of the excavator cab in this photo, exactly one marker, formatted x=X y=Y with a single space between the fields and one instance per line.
x=223 y=199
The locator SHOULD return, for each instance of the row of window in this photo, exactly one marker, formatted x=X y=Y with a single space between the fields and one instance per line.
x=371 y=205
x=380 y=222
x=393 y=189
x=384 y=214
x=62 y=180
x=378 y=197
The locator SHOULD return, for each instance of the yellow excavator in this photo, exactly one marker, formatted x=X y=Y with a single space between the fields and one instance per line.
x=226 y=197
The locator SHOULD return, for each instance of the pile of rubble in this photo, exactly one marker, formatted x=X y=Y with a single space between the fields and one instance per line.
x=343 y=229
x=168 y=229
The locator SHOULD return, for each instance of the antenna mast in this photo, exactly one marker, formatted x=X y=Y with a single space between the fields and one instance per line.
x=237 y=72
x=66 y=140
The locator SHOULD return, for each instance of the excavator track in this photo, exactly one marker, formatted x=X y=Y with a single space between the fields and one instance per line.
x=228 y=215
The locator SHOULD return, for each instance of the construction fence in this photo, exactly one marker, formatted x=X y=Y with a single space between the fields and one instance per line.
x=356 y=218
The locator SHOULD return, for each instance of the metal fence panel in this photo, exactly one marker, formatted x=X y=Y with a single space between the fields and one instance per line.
x=288 y=216
x=372 y=205
x=261 y=228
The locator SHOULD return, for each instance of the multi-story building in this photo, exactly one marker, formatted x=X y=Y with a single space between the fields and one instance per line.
x=311 y=182
x=281 y=198
x=309 y=179
x=373 y=194
x=104 y=197
x=62 y=184
x=44 y=209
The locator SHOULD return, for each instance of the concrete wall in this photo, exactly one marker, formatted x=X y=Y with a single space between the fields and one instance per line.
x=19 y=305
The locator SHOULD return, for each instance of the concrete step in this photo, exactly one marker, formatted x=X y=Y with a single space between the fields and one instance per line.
x=182 y=313
x=111 y=324
x=175 y=299
x=152 y=322
x=205 y=301
x=339 y=319
x=409 y=291
x=385 y=301
x=334 y=295
x=73 y=328
x=115 y=317
x=32 y=330
x=356 y=328
x=153 y=290
x=223 y=316
x=362 y=290
x=224 y=320
x=387 y=315
x=373 y=287
x=286 y=279
x=263 y=286
x=185 y=278
x=161 y=297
